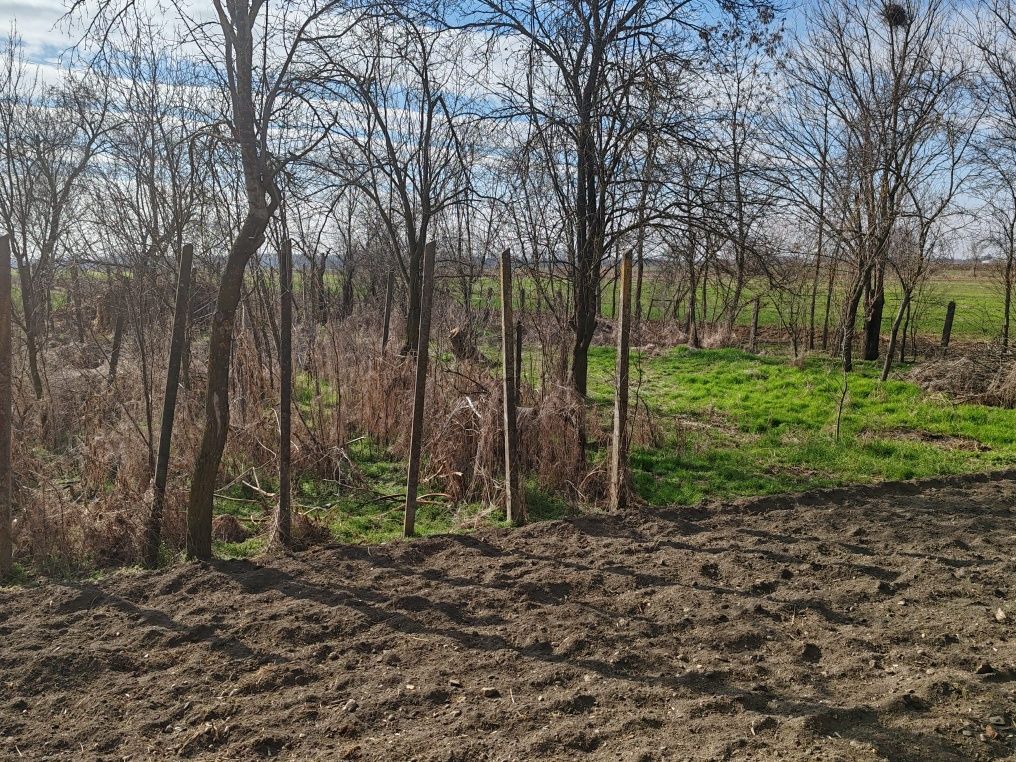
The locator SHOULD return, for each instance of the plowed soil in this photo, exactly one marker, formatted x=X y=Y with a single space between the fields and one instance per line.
x=864 y=624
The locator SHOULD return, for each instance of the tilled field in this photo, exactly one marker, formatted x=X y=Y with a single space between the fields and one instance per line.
x=874 y=623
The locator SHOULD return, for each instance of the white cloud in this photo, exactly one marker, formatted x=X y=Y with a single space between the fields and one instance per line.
x=38 y=23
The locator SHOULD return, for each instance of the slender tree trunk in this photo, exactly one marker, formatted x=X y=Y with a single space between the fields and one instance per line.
x=220 y=350
x=413 y=294
x=639 y=269
x=515 y=499
x=873 y=316
x=588 y=250
x=79 y=315
x=1007 y=307
x=389 y=297
x=282 y=530
x=33 y=337
x=519 y=334
x=850 y=320
x=420 y=391
x=6 y=410
x=153 y=533
x=890 y=352
x=904 y=334
x=619 y=451
x=691 y=318
x=830 y=285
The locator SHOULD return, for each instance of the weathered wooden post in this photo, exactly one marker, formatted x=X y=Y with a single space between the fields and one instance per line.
x=282 y=531
x=6 y=409
x=753 y=333
x=153 y=531
x=515 y=504
x=389 y=297
x=619 y=450
x=420 y=393
x=950 y=314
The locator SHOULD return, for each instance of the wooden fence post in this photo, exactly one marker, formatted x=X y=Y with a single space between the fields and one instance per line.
x=6 y=409
x=515 y=504
x=153 y=532
x=420 y=393
x=619 y=449
x=389 y=296
x=282 y=531
x=753 y=333
x=950 y=314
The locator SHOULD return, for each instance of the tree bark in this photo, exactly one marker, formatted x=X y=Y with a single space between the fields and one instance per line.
x=6 y=410
x=893 y=336
x=515 y=502
x=282 y=530
x=389 y=296
x=220 y=345
x=420 y=391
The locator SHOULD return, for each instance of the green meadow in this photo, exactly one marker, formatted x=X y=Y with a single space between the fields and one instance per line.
x=728 y=424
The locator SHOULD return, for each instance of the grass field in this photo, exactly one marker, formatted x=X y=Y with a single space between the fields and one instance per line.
x=977 y=296
x=745 y=425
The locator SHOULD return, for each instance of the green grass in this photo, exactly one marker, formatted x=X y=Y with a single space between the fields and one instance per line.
x=372 y=512
x=737 y=424
x=731 y=424
x=977 y=295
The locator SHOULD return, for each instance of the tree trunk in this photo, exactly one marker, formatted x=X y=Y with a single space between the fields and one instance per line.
x=420 y=390
x=389 y=297
x=850 y=321
x=413 y=308
x=830 y=284
x=282 y=530
x=153 y=533
x=6 y=410
x=891 y=350
x=1007 y=307
x=33 y=337
x=220 y=346
x=79 y=315
x=515 y=499
x=873 y=320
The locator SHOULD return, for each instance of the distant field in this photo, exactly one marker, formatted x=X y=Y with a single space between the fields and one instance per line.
x=978 y=300
x=977 y=295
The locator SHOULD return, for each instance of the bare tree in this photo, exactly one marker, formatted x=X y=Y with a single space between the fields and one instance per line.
x=873 y=98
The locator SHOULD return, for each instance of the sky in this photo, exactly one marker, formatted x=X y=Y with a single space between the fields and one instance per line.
x=37 y=21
